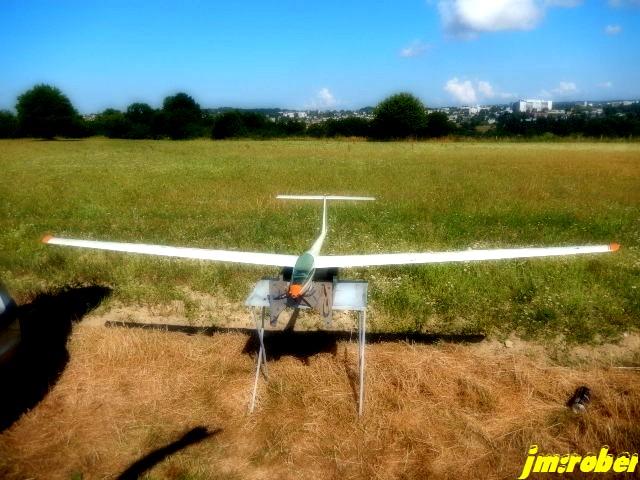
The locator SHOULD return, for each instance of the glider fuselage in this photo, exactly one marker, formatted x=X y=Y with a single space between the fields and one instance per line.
x=304 y=269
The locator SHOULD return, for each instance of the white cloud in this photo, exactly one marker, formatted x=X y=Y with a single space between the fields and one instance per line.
x=462 y=92
x=565 y=87
x=486 y=89
x=414 y=49
x=470 y=93
x=467 y=18
x=612 y=29
x=326 y=97
x=323 y=100
x=606 y=84
x=562 y=90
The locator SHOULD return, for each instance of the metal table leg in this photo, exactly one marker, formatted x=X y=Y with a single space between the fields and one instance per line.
x=263 y=350
x=261 y=360
x=362 y=325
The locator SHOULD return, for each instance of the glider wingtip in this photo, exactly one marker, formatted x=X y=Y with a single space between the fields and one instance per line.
x=614 y=247
x=46 y=238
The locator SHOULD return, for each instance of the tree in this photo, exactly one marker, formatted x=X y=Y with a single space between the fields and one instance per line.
x=438 y=125
x=229 y=125
x=255 y=123
x=45 y=112
x=289 y=127
x=236 y=123
x=341 y=127
x=112 y=123
x=182 y=117
x=142 y=120
x=8 y=124
x=399 y=116
x=510 y=124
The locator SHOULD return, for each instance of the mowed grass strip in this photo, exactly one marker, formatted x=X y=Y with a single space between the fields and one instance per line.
x=431 y=196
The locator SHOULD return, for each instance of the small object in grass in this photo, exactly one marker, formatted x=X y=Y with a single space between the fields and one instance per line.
x=508 y=343
x=579 y=400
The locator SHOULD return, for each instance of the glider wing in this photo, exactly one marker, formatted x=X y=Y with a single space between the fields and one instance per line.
x=347 y=261
x=252 y=258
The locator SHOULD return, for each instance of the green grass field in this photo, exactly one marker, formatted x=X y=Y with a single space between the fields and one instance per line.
x=431 y=196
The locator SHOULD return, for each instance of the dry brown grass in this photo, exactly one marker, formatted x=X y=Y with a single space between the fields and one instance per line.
x=443 y=411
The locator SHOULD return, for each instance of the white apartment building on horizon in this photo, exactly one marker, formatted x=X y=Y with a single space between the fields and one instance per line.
x=528 y=106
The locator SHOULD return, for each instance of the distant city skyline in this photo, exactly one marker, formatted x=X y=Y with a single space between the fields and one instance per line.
x=334 y=55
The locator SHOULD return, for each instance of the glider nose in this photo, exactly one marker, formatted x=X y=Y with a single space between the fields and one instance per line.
x=295 y=290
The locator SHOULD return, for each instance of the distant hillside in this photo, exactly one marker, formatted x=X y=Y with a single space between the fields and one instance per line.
x=263 y=111
x=276 y=111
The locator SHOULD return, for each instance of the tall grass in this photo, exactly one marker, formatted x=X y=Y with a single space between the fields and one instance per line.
x=431 y=196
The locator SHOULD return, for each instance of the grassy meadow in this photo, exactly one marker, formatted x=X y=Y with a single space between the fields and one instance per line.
x=430 y=196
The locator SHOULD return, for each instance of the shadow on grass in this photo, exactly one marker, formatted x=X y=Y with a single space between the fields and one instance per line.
x=305 y=344
x=138 y=468
x=45 y=325
x=351 y=371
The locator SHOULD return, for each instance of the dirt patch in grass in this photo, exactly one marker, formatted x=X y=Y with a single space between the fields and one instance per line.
x=440 y=411
x=199 y=309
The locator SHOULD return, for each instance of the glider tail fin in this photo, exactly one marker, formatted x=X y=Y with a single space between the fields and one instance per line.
x=325 y=198
x=322 y=197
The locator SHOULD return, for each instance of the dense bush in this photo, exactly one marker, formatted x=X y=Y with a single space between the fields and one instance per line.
x=231 y=124
x=142 y=121
x=620 y=122
x=181 y=117
x=438 y=125
x=45 y=112
x=238 y=124
x=289 y=127
x=111 y=123
x=343 y=127
x=178 y=119
x=8 y=124
x=400 y=116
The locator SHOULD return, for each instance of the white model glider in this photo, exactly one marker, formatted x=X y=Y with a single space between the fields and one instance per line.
x=305 y=265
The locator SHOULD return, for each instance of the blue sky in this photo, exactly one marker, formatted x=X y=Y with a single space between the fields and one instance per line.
x=331 y=54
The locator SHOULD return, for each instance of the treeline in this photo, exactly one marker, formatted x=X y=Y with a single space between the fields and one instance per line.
x=620 y=121
x=45 y=112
